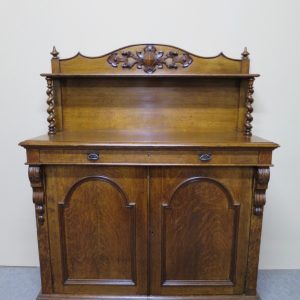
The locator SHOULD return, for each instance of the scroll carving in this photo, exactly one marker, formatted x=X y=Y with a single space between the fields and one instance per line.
x=262 y=180
x=249 y=102
x=150 y=59
x=36 y=179
x=50 y=110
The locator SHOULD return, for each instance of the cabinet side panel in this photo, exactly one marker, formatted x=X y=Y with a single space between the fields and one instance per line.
x=262 y=177
x=37 y=180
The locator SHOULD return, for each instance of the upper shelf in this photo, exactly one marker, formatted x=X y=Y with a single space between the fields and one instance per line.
x=89 y=75
x=149 y=59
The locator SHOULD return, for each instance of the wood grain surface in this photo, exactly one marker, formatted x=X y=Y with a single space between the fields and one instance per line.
x=149 y=183
x=146 y=138
x=199 y=246
x=98 y=229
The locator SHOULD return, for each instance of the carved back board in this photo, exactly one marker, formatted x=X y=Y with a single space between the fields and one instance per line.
x=150 y=87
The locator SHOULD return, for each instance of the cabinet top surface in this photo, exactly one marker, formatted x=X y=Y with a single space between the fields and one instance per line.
x=145 y=138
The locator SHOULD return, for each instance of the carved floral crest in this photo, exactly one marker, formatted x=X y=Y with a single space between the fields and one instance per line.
x=150 y=59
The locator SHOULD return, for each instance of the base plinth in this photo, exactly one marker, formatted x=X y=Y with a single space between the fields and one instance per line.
x=94 y=297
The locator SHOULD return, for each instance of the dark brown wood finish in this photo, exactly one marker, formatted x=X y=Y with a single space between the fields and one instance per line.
x=249 y=101
x=149 y=183
x=200 y=208
x=219 y=64
x=262 y=177
x=50 y=110
x=149 y=59
x=98 y=229
x=89 y=297
x=85 y=297
x=36 y=178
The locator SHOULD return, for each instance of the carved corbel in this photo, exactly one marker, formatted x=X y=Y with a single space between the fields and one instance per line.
x=50 y=110
x=262 y=180
x=36 y=180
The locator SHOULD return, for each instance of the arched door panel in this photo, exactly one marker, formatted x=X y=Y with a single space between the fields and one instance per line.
x=201 y=214
x=199 y=245
x=97 y=225
x=98 y=229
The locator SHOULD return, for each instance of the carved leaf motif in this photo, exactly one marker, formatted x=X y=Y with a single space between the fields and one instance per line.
x=150 y=59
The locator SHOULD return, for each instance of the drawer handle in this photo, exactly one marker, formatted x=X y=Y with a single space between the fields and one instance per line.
x=205 y=157
x=93 y=156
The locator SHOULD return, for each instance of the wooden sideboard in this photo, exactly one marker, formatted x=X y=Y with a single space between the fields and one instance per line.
x=149 y=183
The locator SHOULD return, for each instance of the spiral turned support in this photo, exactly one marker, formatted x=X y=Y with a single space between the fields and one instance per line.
x=249 y=102
x=50 y=110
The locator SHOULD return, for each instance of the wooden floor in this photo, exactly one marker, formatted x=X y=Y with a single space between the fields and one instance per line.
x=23 y=283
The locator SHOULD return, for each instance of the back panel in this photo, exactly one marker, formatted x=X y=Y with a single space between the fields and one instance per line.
x=151 y=103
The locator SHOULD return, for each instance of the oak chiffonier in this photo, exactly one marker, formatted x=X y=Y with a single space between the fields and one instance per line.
x=149 y=183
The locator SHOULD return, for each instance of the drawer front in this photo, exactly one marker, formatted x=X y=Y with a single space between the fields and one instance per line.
x=149 y=157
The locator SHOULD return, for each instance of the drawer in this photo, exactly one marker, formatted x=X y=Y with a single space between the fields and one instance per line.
x=149 y=157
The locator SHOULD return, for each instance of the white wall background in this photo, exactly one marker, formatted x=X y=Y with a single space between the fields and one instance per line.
x=270 y=29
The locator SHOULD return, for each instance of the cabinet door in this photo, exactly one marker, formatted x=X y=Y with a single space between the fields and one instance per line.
x=199 y=229
x=98 y=229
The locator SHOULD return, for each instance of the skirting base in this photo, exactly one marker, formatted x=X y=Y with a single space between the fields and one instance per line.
x=93 y=297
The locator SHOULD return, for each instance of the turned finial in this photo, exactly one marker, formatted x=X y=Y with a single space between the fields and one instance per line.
x=54 y=52
x=245 y=53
